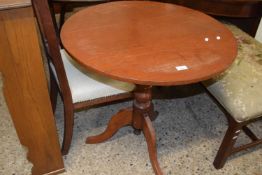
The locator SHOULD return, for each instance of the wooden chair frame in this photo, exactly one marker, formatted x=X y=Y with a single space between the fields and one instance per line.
x=67 y=6
x=227 y=146
x=52 y=48
x=252 y=12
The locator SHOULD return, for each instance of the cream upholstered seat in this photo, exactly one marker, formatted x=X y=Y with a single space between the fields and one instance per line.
x=87 y=86
x=239 y=92
x=239 y=89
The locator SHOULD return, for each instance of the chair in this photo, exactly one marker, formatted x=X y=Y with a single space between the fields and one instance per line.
x=238 y=91
x=78 y=88
x=64 y=6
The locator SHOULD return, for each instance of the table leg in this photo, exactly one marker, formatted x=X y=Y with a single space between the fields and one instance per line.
x=143 y=114
x=150 y=136
x=139 y=117
x=119 y=120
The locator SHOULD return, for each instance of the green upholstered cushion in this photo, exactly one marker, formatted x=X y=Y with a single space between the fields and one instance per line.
x=239 y=89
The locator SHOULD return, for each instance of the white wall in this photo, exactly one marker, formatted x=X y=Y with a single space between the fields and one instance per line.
x=259 y=32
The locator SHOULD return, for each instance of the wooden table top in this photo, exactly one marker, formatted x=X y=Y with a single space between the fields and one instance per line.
x=149 y=43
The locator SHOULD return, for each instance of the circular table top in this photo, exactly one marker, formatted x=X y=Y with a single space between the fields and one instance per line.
x=149 y=43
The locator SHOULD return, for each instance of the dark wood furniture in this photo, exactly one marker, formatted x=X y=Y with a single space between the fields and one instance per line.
x=25 y=87
x=67 y=77
x=246 y=14
x=63 y=6
x=237 y=92
x=147 y=43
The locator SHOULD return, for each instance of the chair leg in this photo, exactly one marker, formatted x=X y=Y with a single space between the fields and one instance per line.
x=62 y=15
x=68 y=128
x=227 y=145
x=53 y=92
x=250 y=134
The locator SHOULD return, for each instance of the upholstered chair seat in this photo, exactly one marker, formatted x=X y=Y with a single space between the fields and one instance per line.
x=239 y=92
x=86 y=85
x=86 y=89
x=239 y=89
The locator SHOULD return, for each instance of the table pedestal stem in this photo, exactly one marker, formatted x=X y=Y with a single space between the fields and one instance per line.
x=139 y=117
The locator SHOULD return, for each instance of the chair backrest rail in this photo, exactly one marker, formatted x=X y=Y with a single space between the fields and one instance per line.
x=51 y=43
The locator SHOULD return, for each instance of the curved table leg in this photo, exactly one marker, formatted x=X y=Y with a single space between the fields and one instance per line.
x=140 y=117
x=119 y=120
x=152 y=115
x=150 y=136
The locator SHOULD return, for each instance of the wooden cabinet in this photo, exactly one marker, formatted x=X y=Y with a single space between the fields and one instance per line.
x=246 y=14
x=25 y=87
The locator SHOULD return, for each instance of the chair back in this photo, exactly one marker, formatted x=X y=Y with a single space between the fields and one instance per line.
x=51 y=42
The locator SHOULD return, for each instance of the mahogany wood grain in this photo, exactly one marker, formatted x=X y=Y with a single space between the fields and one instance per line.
x=143 y=42
x=26 y=92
